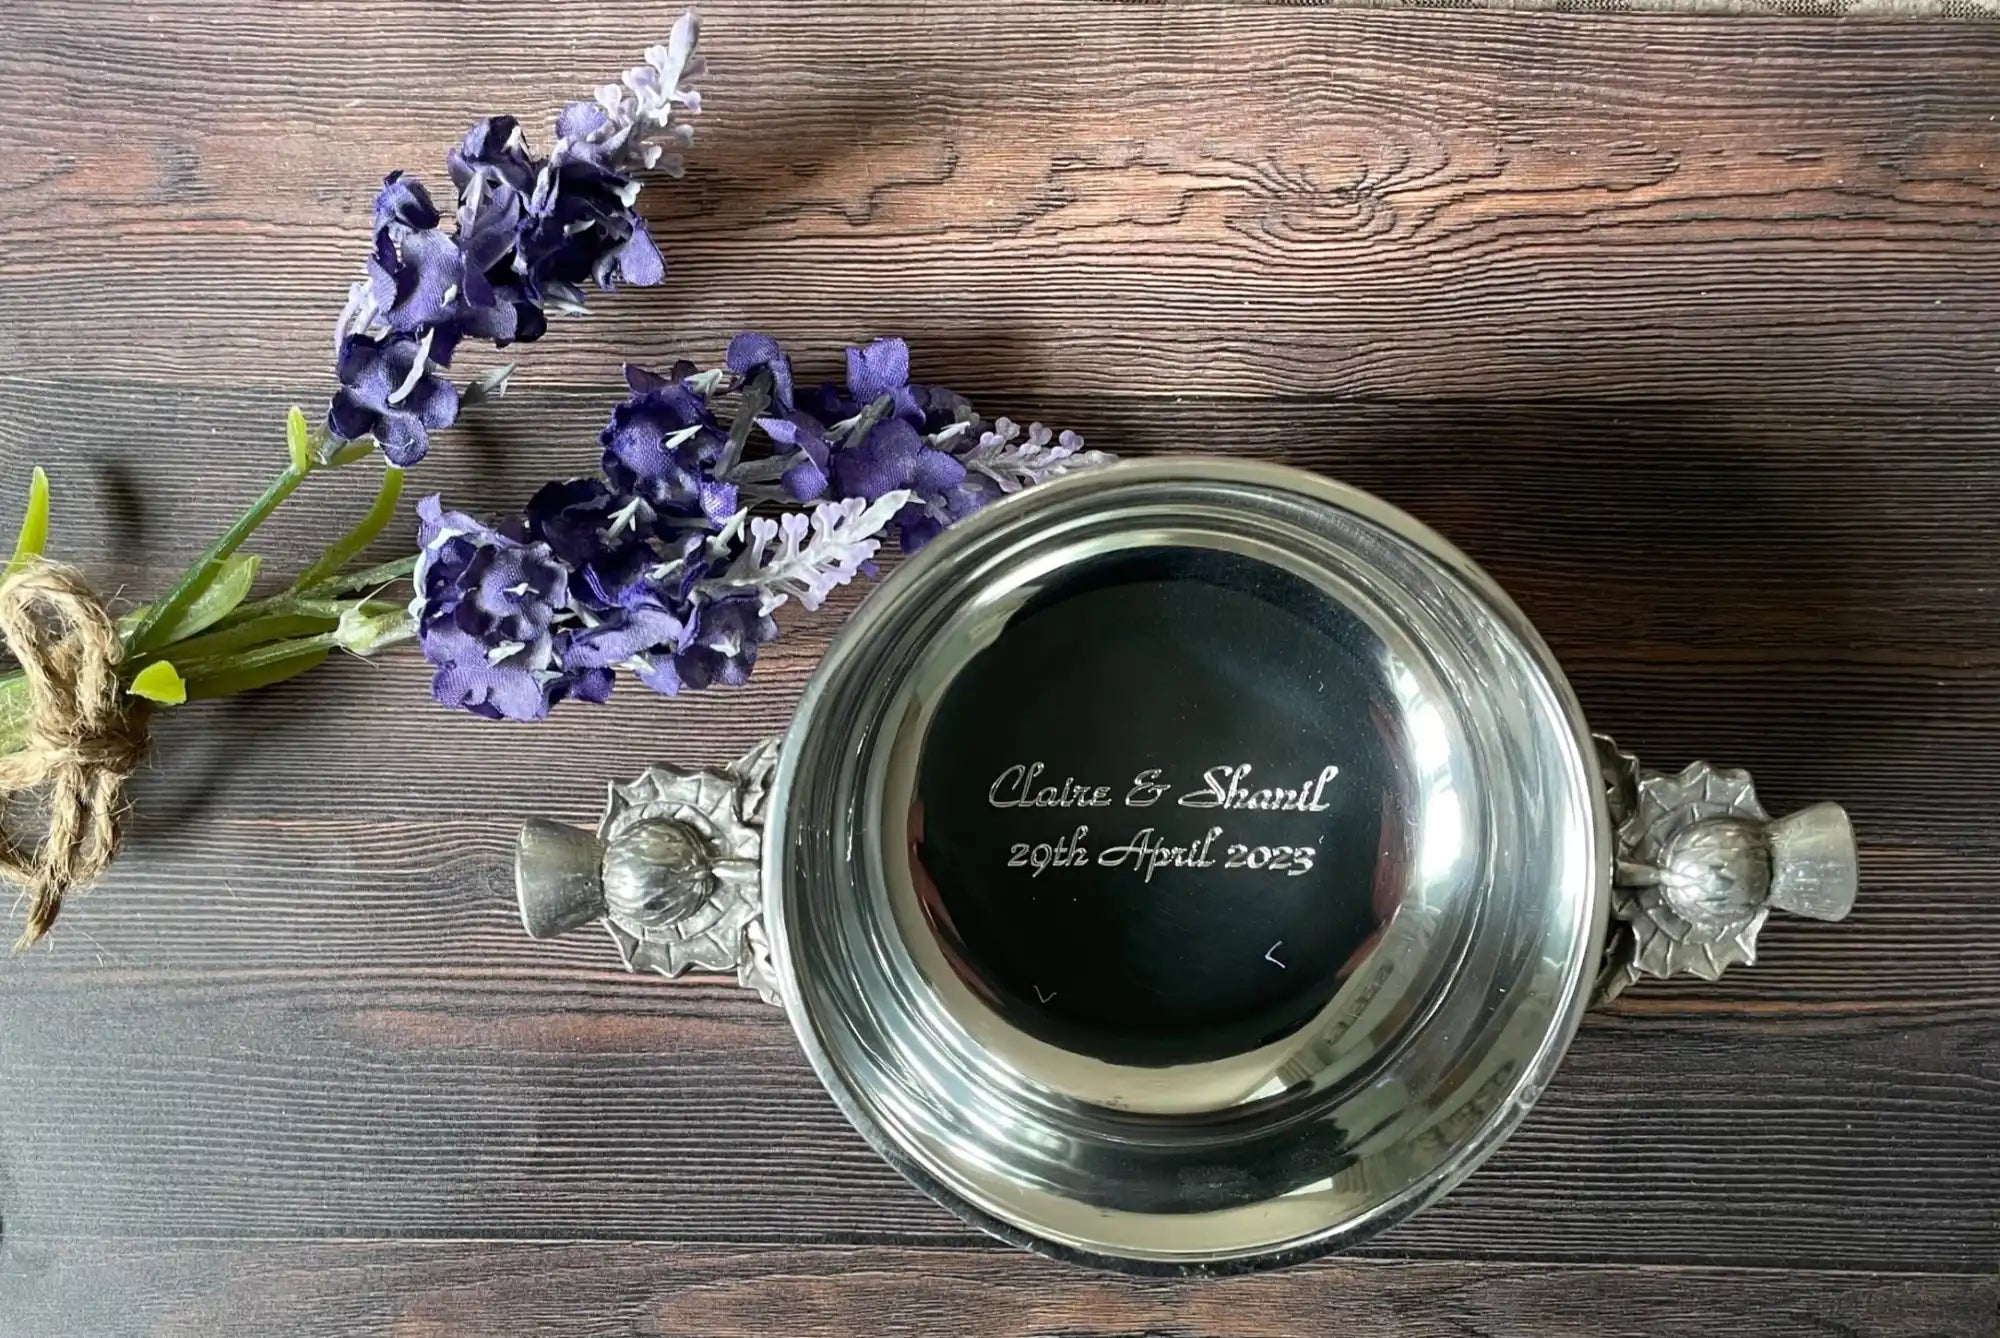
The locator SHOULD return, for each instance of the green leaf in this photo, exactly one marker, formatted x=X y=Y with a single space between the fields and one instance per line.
x=349 y=546
x=193 y=653
x=160 y=682
x=298 y=439
x=372 y=579
x=151 y=629
x=231 y=583
x=370 y=625
x=229 y=682
x=34 y=525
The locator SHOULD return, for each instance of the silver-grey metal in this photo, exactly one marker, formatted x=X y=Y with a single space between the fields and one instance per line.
x=672 y=871
x=1526 y=834
x=1427 y=1056
x=1701 y=866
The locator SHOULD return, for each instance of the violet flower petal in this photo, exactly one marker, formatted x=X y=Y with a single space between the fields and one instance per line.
x=750 y=351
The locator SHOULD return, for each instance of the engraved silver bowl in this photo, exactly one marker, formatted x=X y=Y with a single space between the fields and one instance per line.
x=1481 y=867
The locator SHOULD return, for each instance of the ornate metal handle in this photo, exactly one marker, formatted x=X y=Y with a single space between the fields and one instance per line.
x=1701 y=865
x=672 y=871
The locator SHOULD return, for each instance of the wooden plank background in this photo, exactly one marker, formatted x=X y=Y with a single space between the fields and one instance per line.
x=1689 y=329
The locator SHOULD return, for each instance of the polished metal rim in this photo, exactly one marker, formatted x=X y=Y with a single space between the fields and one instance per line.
x=826 y=746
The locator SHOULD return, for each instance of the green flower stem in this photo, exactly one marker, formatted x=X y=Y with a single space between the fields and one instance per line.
x=243 y=636
x=371 y=578
x=256 y=657
x=247 y=632
x=263 y=676
x=337 y=609
x=314 y=597
x=266 y=640
x=145 y=636
x=393 y=625
x=349 y=546
x=242 y=645
x=289 y=648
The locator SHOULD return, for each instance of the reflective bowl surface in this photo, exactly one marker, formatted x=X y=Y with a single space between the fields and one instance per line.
x=1191 y=865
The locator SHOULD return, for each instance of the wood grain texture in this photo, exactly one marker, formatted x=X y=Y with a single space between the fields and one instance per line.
x=571 y=1102
x=1108 y=198
x=1688 y=330
x=193 y=1289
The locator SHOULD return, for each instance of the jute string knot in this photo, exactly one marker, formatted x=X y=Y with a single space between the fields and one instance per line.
x=83 y=738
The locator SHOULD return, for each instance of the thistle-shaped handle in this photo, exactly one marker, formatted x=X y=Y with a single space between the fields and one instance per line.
x=673 y=871
x=1701 y=865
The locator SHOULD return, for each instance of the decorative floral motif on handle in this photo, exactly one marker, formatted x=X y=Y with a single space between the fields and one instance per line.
x=673 y=872
x=1701 y=865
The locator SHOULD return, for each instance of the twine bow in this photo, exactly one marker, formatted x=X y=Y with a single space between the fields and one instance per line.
x=84 y=737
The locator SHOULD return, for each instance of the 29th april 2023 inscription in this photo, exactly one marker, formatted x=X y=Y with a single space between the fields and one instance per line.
x=1145 y=851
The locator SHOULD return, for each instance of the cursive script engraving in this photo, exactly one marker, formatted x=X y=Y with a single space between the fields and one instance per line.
x=1146 y=851
x=1066 y=853
x=1147 y=788
x=1147 y=854
x=1015 y=788
x=1223 y=787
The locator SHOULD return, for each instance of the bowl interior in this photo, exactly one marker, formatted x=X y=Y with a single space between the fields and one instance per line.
x=1188 y=865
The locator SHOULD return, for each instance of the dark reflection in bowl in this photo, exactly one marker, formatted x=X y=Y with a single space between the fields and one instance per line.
x=1164 y=813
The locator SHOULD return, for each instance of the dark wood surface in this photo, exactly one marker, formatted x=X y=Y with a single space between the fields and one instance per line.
x=1688 y=329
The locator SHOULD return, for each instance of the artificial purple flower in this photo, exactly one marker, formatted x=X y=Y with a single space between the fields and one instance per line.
x=893 y=456
x=883 y=368
x=404 y=204
x=663 y=444
x=416 y=273
x=805 y=481
x=489 y=226
x=805 y=477
x=654 y=570
x=750 y=353
x=998 y=462
x=877 y=369
x=599 y=534
x=495 y=152
x=500 y=312
x=889 y=435
x=581 y=125
x=388 y=391
x=402 y=207
x=579 y=226
x=486 y=602
x=724 y=647
x=912 y=448
x=690 y=561
x=496 y=149
x=494 y=175
x=937 y=410
x=421 y=282
x=624 y=635
x=415 y=278
x=579 y=218
x=721 y=649
x=918 y=523
x=530 y=233
x=639 y=379
x=930 y=445
x=873 y=370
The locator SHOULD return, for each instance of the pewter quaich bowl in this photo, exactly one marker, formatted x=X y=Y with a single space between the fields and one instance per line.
x=1187 y=866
